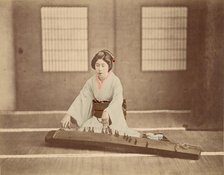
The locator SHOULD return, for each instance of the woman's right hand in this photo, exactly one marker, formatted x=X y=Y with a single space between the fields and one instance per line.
x=66 y=121
x=105 y=119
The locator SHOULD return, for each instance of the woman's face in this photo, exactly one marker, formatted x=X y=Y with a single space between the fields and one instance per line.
x=101 y=68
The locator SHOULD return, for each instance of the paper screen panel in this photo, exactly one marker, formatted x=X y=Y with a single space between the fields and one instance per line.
x=64 y=38
x=164 y=38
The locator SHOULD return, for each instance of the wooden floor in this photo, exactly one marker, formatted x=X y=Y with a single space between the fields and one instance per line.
x=26 y=153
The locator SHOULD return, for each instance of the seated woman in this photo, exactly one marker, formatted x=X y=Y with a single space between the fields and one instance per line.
x=103 y=86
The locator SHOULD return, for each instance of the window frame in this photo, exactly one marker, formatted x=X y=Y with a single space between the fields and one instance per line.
x=87 y=40
x=186 y=41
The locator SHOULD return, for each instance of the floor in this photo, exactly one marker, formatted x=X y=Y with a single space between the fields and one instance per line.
x=25 y=152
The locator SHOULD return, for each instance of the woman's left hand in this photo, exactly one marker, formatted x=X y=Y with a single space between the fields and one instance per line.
x=105 y=119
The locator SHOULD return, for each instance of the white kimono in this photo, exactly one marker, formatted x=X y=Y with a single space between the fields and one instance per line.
x=110 y=90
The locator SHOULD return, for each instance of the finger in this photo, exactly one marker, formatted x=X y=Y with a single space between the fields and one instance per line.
x=105 y=123
x=69 y=124
x=65 y=124
x=105 y=126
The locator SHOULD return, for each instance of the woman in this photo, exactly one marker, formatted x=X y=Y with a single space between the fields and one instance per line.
x=103 y=86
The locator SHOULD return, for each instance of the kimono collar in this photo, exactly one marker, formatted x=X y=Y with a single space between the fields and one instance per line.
x=100 y=82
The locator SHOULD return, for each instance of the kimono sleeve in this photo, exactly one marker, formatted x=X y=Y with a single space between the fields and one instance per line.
x=115 y=108
x=81 y=108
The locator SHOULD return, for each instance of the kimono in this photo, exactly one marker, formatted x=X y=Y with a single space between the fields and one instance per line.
x=108 y=90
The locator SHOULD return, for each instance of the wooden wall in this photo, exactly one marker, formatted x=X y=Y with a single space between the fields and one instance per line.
x=38 y=90
x=115 y=25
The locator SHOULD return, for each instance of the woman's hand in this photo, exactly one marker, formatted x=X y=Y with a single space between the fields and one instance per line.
x=66 y=121
x=105 y=119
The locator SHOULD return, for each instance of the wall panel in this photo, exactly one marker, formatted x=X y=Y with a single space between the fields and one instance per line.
x=38 y=90
x=153 y=89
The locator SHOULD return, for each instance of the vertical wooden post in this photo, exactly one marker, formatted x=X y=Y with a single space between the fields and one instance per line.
x=7 y=67
x=208 y=97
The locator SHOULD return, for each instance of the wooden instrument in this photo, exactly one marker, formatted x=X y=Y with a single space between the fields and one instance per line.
x=91 y=138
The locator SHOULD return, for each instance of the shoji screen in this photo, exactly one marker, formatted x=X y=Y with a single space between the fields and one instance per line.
x=164 y=38
x=64 y=38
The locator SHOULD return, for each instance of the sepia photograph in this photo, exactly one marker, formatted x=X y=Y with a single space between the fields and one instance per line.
x=111 y=87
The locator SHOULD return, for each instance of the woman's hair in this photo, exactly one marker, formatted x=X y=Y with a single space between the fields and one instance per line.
x=106 y=56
